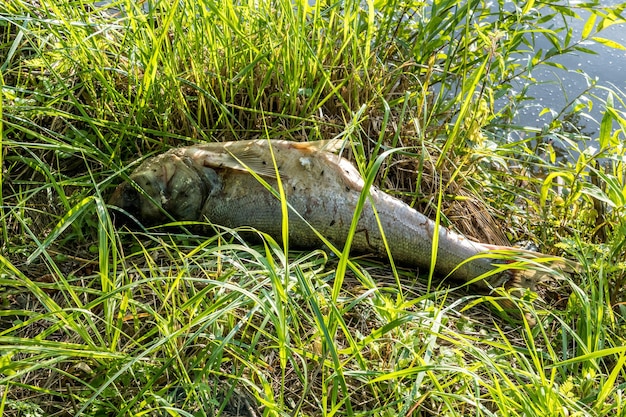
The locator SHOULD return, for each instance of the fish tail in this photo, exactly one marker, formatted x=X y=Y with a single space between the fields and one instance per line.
x=525 y=270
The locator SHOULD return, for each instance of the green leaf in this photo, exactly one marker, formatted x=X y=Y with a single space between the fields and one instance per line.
x=528 y=7
x=556 y=65
x=596 y=193
x=608 y=42
x=63 y=224
x=544 y=111
x=547 y=184
x=589 y=26
x=605 y=130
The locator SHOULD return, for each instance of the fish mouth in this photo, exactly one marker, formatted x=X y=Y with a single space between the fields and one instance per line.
x=125 y=207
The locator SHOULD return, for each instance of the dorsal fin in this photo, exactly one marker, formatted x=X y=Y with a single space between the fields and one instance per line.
x=239 y=158
x=326 y=145
x=250 y=159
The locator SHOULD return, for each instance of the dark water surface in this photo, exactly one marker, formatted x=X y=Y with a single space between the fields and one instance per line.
x=556 y=88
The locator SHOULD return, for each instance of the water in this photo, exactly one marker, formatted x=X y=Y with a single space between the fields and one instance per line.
x=556 y=88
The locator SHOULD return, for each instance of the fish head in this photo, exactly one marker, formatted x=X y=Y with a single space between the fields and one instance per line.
x=166 y=187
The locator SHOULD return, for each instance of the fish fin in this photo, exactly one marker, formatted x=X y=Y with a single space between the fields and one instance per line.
x=327 y=145
x=243 y=160
x=563 y=264
x=249 y=159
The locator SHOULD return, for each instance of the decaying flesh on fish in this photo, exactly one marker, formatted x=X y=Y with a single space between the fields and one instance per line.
x=213 y=183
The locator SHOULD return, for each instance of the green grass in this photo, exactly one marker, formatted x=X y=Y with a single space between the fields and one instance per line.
x=96 y=321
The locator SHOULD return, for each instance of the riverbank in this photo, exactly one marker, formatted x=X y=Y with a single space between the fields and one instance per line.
x=103 y=321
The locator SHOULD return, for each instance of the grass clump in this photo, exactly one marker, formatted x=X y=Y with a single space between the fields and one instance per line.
x=98 y=321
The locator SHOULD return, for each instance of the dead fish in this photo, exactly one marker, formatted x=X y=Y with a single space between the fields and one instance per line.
x=214 y=182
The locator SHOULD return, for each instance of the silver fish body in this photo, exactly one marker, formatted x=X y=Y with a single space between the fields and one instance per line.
x=213 y=182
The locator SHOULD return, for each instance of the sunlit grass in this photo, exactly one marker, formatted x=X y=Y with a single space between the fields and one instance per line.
x=103 y=321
